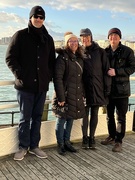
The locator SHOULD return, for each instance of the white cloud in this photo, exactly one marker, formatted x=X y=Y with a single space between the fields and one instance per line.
x=111 y=5
x=10 y=22
x=7 y=18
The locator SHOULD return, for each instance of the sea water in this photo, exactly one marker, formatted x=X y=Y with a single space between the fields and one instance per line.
x=8 y=93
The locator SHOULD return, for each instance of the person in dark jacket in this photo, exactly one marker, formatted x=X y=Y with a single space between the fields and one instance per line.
x=97 y=85
x=31 y=57
x=69 y=90
x=122 y=63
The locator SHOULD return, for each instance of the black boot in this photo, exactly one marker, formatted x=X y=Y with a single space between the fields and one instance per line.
x=61 y=149
x=85 y=141
x=92 y=143
x=69 y=147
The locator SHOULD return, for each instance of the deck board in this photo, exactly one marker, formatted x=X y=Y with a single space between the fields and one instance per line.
x=99 y=164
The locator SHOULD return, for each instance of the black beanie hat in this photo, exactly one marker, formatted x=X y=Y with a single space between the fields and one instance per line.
x=85 y=32
x=116 y=31
x=37 y=10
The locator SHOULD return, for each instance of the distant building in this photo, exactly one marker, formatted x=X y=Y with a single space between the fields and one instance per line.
x=103 y=43
x=5 y=40
x=60 y=43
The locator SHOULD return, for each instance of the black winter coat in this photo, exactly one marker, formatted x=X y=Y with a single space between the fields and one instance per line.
x=68 y=78
x=96 y=81
x=31 y=61
x=123 y=61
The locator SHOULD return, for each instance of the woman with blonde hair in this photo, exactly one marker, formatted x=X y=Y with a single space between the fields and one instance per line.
x=69 y=91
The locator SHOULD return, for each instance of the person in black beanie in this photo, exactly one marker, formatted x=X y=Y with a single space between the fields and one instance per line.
x=31 y=56
x=122 y=63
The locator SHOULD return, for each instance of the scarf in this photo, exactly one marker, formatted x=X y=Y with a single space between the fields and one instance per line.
x=37 y=33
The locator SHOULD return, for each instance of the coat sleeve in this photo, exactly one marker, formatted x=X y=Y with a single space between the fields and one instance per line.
x=59 y=74
x=107 y=79
x=52 y=59
x=12 y=56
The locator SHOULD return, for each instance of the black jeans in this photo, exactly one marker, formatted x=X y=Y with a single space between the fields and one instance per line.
x=31 y=109
x=93 y=121
x=121 y=105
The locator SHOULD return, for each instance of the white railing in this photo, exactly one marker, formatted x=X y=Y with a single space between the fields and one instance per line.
x=8 y=106
x=11 y=105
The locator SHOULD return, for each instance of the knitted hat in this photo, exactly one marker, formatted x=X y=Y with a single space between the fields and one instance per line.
x=37 y=10
x=85 y=32
x=68 y=36
x=116 y=31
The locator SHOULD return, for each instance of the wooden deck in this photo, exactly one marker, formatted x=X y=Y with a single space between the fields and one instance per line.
x=99 y=164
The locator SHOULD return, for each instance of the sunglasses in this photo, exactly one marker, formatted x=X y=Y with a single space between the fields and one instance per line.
x=37 y=16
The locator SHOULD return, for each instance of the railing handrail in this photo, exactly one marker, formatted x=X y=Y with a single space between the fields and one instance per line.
x=13 y=103
x=6 y=83
x=132 y=78
x=48 y=101
x=8 y=106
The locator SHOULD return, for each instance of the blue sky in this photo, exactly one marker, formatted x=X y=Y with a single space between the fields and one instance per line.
x=71 y=15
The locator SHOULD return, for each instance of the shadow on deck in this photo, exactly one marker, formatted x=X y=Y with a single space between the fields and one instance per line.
x=99 y=164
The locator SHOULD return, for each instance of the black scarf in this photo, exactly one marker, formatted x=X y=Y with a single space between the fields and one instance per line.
x=37 y=33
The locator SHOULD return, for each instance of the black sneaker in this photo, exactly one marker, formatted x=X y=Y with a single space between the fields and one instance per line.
x=85 y=142
x=92 y=143
x=69 y=147
x=61 y=149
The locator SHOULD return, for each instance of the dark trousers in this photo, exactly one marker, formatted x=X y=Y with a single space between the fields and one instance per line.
x=31 y=109
x=121 y=106
x=93 y=121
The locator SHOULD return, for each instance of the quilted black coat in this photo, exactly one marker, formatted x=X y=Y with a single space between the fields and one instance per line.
x=68 y=78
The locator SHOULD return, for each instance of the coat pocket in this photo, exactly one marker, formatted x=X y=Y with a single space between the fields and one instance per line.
x=123 y=89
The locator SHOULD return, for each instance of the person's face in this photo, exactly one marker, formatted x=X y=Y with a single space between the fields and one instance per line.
x=73 y=44
x=86 y=40
x=37 y=20
x=114 y=39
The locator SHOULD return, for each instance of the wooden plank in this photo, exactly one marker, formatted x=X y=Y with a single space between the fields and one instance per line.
x=100 y=164
x=41 y=171
x=29 y=168
x=13 y=170
x=2 y=177
x=66 y=168
x=7 y=173
x=48 y=164
x=87 y=169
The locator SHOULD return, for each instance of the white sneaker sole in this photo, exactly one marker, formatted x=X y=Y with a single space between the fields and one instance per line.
x=41 y=157
x=21 y=158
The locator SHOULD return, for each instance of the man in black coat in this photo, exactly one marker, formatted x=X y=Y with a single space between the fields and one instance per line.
x=122 y=63
x=30 y=56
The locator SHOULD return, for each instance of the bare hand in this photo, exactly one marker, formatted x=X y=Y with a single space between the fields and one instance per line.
x=61 y=103
x=111 y=72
